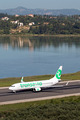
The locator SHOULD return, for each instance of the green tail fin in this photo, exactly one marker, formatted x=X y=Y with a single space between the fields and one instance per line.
x=58 y=74
x=22 y=80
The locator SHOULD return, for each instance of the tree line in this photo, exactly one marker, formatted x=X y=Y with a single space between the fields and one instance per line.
x=56 y=28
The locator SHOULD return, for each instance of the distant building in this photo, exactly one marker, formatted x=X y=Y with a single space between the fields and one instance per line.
x=32 y=23
x=16 y=15
x=15 y=22
x=31 y=15
x=20 y=24
x=5 y=18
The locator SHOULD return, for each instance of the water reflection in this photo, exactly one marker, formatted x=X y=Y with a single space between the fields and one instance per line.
x=37 y=42
x=27 y=56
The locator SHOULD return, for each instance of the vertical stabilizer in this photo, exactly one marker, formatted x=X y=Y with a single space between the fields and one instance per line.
x=58 y=73
x=22 y=80
x=57 y=77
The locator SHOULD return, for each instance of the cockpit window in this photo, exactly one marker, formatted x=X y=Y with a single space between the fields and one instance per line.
x=12 y=86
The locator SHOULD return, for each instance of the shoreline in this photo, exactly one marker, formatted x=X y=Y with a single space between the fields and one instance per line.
x=42 y=35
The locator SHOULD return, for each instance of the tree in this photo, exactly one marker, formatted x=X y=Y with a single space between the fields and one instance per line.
x=6 y=31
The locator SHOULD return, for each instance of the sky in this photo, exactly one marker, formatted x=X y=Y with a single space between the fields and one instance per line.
x=43 y=4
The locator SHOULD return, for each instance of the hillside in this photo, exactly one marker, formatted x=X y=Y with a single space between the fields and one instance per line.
x=38 y=24
x=22 y=11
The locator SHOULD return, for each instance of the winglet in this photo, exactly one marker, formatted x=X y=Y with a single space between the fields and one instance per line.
x=22 y=80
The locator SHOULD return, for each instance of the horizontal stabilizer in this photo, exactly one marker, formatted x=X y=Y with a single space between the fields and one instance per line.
x=67 y=83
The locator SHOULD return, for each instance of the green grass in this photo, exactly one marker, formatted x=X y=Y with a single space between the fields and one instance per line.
x=9 y=81
x=71 y=76
x=36 y=103
x=54 y=109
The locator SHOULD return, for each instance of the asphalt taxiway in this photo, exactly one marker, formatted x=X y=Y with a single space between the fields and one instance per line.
x=8 y=97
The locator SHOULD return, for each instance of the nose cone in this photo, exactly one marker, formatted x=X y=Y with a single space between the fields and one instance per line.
x=10 y=88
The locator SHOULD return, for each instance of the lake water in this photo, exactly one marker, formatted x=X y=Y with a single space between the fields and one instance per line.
x=28 y=56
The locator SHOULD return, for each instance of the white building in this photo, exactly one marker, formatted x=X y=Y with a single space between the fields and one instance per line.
x=5 y=18
x=15 y=22
x=32 y=23
x=20 y=24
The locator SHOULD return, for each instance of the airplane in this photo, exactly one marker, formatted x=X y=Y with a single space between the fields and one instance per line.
x=38 y=85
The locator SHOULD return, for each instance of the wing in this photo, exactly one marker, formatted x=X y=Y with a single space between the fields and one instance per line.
x=58 y=85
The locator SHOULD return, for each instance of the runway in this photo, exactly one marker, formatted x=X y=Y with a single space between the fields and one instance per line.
x=6 y=95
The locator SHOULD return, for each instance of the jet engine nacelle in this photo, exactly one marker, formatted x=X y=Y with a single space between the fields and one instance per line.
x=37 y=89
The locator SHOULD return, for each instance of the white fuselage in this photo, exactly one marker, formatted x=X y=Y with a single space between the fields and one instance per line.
x=37 y=85
x=32 y=85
